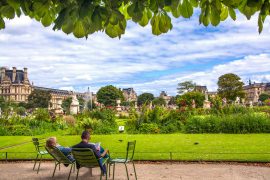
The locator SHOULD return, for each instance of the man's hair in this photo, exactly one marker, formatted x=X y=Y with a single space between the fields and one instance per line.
x=85 y=135
x=51 y=142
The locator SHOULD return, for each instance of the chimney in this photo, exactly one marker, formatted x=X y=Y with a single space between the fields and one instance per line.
x=14 y=74
x=25 y=74
x=3 y=73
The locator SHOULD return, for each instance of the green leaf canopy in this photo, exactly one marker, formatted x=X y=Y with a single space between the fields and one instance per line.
x=84 y=17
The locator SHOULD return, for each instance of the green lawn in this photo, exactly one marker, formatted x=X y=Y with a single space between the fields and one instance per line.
x=227 y=147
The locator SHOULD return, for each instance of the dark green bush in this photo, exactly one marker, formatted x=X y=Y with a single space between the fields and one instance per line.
x=20 y=111
x=149 y=128
x=42 y=114
x=19 y=130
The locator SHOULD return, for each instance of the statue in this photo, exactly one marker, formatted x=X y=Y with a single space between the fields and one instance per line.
x=250 y=104
x=136 y=105
x=237 y=101
x=118 y=107
x=59 y=109
x=150 y=105
x=256 y=96
x=206 y=96
x=224 y=101
x=193 y=104
x=74 y=106
x=206 y=103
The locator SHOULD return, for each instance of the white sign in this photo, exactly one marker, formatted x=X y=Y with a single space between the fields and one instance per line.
x=121 y=128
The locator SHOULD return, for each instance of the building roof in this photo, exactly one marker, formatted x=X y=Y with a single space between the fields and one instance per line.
x=19 y=76
x=55 y=91
x=128 y=90
x=256 y=85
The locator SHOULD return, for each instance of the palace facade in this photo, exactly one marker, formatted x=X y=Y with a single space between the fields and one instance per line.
x=254 y=90
x=129 y=94
x=165 y=96
x=15 y=86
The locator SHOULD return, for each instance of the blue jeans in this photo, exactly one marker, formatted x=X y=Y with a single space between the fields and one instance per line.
x=102 y=167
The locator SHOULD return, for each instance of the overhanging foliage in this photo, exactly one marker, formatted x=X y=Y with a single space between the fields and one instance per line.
x=84 y=17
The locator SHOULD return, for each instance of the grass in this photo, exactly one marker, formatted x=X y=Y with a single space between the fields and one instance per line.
x=190 y=147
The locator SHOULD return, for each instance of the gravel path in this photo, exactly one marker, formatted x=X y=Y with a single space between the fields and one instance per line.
x=152 y=171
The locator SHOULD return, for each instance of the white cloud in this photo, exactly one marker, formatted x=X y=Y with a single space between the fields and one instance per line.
x=251 y=67
x=140 y=59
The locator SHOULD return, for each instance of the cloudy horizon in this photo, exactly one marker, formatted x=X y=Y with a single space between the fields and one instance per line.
x=139 y=59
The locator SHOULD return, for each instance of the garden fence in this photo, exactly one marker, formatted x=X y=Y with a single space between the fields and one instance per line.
x=160 y=156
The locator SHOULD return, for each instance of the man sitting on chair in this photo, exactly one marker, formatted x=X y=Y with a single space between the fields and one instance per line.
x=98 y=153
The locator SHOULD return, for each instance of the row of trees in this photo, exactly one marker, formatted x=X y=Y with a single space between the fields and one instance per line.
x=109 y=94
x=230 y=86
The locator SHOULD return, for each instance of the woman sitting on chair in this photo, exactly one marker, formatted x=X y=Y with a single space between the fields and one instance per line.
x=52 y=142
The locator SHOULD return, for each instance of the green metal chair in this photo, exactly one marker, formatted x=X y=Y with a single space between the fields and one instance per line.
x=85 y=157
x=129 y=158
x=40 y=152
x=59 y=158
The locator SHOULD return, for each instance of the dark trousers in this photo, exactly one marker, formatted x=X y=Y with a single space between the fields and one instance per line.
x=102 y=167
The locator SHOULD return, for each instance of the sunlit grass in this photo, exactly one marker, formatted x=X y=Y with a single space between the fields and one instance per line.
x=232 y=147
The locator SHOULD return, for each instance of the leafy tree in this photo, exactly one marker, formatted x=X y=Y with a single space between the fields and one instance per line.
x=66 y=105
x=128 y=103
x=187 y=98
x=264 y=96
x=159 y=101
x=230 y=86
x=39 y=99
x=173 y=100
x=84 y=17
x=3 y=103
x=186 y=86
x=145 y=98
x=108 y=95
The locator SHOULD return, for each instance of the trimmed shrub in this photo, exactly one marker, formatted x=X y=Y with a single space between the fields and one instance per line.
x=234 y=123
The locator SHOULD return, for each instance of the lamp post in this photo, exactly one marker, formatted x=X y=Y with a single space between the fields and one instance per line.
x=89 y=98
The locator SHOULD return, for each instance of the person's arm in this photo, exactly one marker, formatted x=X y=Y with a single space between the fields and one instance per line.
x=65 y=150
x=96 y=152
x=106 y=151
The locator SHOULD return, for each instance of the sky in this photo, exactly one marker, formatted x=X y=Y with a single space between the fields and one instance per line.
x=146 y=62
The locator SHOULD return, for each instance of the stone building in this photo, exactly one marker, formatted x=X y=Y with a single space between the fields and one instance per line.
x=201 y=89
x=165 y=96
x=14 y=84
x=212 y=93
x=57 y=96
x=254 y=90
x=129 y=94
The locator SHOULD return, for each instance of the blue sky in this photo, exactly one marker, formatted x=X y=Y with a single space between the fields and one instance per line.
x=139 y=59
